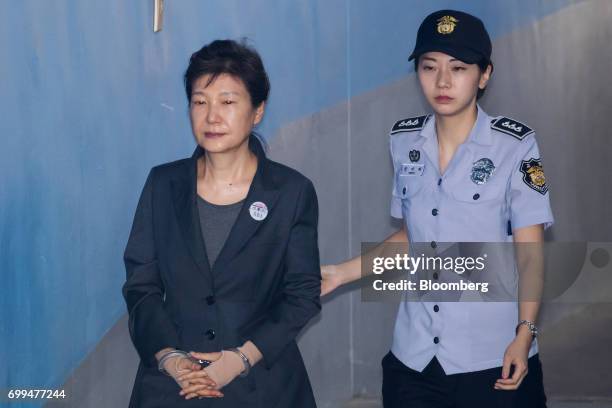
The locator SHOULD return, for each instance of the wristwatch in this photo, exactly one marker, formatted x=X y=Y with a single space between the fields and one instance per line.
x=533 y=329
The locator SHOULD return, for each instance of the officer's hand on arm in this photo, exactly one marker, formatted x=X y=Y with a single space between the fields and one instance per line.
x=529 y=256
x=334 y=276
x=331 y=279
x=226 y=366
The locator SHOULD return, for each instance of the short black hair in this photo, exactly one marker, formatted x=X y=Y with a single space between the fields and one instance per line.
x=233 y=58
x=483 y=64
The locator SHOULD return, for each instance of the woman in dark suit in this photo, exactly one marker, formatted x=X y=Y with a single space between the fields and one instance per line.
x=222 y=260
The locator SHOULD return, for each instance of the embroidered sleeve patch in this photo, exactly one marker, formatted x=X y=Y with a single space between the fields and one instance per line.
x=533 y=175
x=410 y=124
x=512 y=127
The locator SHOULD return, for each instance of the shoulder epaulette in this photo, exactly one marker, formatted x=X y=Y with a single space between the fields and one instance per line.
x=511 y=127
x=410 y=124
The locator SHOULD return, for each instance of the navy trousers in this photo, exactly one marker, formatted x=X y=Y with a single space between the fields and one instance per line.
x=432 y=388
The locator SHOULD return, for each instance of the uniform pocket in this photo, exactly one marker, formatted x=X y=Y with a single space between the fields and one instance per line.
x=407 y=186
x=476 y=194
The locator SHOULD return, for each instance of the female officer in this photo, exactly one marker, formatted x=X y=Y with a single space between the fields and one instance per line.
x=462 y=175
x=222 y=259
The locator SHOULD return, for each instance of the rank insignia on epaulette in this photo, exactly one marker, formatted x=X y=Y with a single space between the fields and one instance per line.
x=410 y=124
x=512 y=127
x=533 y=175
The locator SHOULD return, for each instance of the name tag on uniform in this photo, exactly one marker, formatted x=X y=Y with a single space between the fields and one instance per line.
x=412 y=169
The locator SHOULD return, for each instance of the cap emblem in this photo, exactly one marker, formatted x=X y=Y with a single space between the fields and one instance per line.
x=446 y=24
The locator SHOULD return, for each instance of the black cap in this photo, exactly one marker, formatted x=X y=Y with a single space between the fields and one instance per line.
x=455 y=33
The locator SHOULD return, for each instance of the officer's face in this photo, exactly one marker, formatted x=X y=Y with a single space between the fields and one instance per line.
x=450 y=85
x=221 y=113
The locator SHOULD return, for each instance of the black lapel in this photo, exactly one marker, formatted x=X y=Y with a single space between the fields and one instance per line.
x=186 y=207
x=262 y=189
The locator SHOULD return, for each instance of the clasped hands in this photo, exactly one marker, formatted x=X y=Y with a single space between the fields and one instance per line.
x=203 y=382
x=198 y=382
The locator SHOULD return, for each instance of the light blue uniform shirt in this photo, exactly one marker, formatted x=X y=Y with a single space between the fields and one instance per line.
x=494 y=178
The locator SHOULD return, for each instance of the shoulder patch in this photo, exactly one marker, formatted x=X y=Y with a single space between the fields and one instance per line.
x=511 y=127
x=533 y=175
x=410 y=124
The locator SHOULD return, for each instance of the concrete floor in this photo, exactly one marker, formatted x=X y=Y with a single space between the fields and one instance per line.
x=375 y=403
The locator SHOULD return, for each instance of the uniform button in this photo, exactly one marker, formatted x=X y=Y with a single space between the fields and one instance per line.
x=210 y=333
x=436 y=340
x=210 y=300
x=435 y=275
x=434 y=212
x=404 y=191
x=436 y=308
x=439 y=181
x=434 y=244
x=476 y=196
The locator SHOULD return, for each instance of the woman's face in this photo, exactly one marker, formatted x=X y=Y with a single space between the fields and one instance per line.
x=222 y=115
x=450 y=85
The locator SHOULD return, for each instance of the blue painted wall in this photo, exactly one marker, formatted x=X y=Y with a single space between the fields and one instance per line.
x=92 y=98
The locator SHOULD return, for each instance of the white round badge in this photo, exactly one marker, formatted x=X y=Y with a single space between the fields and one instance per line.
x=258 y=210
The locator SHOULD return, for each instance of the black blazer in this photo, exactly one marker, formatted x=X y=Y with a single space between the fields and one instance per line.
x=263 y=287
